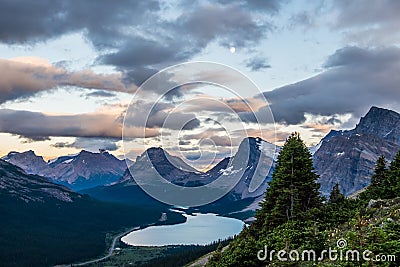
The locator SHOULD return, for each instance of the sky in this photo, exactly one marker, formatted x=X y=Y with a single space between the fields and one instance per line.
x=71 y=70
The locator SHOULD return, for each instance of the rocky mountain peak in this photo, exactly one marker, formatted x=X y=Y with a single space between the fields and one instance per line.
x=27 y=160
x=162 y=160
x=83 y=170
x=380 y=122
x=348 y=157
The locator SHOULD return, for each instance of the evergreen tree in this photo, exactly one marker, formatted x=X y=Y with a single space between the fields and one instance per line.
x=293 y=189
x=216 y=255
x=385 y=183
x=380 y=184
x=336 y=196
x=393 y=185
x=380 y=173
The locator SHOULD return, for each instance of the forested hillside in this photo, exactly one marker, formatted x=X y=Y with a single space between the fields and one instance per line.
x=293 y=218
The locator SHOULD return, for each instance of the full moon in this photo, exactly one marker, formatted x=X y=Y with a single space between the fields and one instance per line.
x=232 y=49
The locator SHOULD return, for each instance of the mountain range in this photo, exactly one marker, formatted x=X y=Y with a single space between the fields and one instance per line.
x=80 y=171
x=39 y=203
x=346 y=157
x=173 y=169
x=37 y=214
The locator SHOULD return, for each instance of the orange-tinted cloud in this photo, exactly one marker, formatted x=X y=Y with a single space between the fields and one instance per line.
x=24 y=77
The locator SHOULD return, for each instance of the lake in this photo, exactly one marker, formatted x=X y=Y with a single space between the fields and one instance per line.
x=199 y=229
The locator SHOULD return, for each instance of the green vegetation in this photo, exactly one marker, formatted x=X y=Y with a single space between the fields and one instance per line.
x=293 y=189
x=158 y=256
x=49 y=233
x=385 y=183
x=294 y=217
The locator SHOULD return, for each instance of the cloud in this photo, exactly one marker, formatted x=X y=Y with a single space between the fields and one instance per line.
x=33 y=21
x=225 y=105
x=100 y=93
x=137 y=37
x=159 y=116
x=270 y=6
x=270 y=135
x=374 y=22
x=303 y=19
x=211 y=134
x=184 y=143
x=230 y=25
x=38 y=126
x=22 y=78
x=354 y=79
x=262 y=115
x=139 y=56
x=257 y=63
x=90 y=144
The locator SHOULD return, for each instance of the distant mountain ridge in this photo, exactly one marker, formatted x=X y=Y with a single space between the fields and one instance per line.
x=345 y=157
x=348 y=157
x=244 y=162
x=176 y=171
x=80 y=171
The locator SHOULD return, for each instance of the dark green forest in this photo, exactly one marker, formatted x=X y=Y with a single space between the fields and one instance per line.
x=293 y=216
x=49 y=233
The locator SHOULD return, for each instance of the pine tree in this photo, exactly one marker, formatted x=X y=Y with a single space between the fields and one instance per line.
x=380 y=185
x=380 y=173
x=293 y=189
x=336 y=196
x=393 y=185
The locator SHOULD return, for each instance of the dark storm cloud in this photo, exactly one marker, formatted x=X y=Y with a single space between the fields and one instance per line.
x=135 y=36
x=354 y=79
x=31 y=21
x=142 y=52
x=170 y=42
x=257 y=64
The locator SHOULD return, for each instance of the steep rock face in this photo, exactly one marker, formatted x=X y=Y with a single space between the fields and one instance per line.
x=381 y=122
x=156 y=161
x=28 y=161
x=78 y=172
x=257 y=158
x=86 y=170
x=348 y=157
x=16 y=183
x=243 y=163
